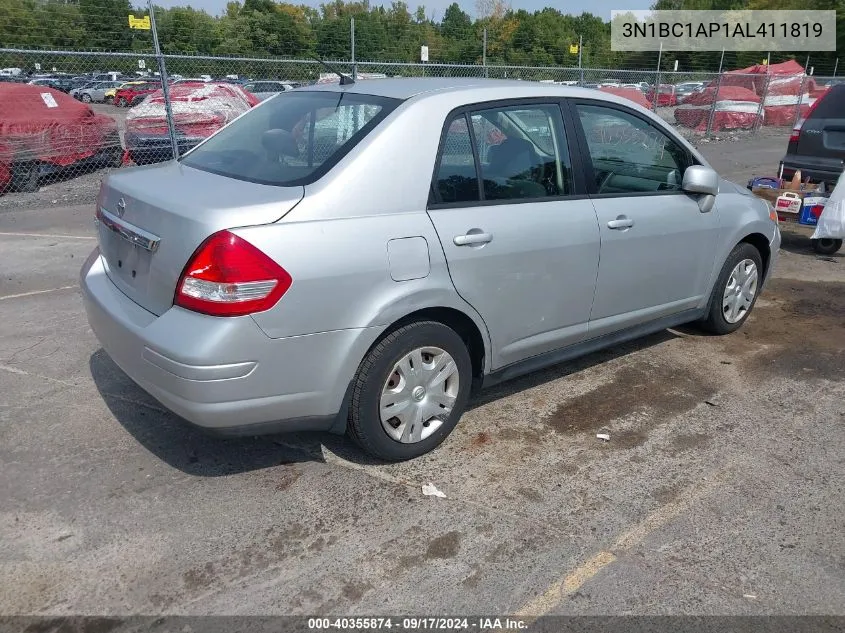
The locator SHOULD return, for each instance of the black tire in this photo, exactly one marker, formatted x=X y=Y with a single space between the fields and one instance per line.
x=86 y=98
x=121 y=103
x=826 y=246
x=715 y=321
x=112 y=152
x=25 y=177
x=364 y=424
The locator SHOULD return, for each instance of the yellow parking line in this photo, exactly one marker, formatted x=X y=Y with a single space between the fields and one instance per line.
x=50 y=235
x=575 y=579
x=35 y=292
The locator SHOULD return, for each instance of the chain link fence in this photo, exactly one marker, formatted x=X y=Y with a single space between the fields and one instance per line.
x=64 y=114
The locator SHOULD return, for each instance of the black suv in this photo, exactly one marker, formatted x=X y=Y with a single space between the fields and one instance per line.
x=817 y=143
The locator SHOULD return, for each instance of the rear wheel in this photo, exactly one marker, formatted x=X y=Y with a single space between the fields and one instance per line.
x=86 y=97
x=735 y=291
x=122 y=103
x=826 y=246
x=410 y=391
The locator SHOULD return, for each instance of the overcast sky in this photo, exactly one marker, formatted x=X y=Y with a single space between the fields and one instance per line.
x=601 y=8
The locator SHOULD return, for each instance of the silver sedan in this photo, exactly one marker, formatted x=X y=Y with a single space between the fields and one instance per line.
x=359 y=257
x=94 y=92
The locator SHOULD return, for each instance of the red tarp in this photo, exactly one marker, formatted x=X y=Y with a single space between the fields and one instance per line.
x=199 y=109
x=633 y=94
x=782 y=86
x=41 y=124
x=736 y=109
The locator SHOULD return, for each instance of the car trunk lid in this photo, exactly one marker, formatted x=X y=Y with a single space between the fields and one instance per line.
x=152 y=219
x=822 y=135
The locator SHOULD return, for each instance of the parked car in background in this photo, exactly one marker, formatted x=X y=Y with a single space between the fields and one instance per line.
x=95 y=92
x=688 y=88
x=266 y=89
x=817 y=143
x=125 y=95
x=199 y=110
x=258 y=285
x=43 y=131
x=109 y=93
x=56 y=83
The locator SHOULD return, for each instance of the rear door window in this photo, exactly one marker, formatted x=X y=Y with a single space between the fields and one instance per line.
x=292 y=139
x=520 y=151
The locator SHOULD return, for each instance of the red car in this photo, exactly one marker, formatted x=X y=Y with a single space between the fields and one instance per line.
x=199 y=110
x=125 y=96
x=666 y=96
x=43 y=131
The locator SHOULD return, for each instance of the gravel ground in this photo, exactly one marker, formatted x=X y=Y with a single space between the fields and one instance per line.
x=719 y=492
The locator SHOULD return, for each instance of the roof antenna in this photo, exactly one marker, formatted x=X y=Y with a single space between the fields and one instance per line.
x=345 y=80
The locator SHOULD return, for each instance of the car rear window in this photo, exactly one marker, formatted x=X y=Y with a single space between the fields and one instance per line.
x=832 y=104
x=292 y=139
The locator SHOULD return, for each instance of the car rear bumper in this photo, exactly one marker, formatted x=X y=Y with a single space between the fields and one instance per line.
x=818 y=169
x=225 y=374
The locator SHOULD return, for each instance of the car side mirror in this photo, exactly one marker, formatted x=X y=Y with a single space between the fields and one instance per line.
x=702 y=180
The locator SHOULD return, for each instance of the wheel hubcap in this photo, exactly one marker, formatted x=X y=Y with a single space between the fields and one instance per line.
x=419 y=394
x=740 y=291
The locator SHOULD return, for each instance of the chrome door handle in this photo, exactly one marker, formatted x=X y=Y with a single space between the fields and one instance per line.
x=620 y=223
x=472 y=238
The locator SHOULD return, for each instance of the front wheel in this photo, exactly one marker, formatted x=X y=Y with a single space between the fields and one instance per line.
x=735 y=292
x=25 y=177
x=86 y=98
x=122 y=103
x=826 y=246
x=410 y=391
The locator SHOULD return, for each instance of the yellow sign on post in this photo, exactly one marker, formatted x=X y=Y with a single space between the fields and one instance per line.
x=139 y=23
x=573 y=49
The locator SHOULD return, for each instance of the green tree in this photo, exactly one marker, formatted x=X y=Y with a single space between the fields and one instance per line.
x=107 y=24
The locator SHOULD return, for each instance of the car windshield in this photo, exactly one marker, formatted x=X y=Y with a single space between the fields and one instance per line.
x=292 y=139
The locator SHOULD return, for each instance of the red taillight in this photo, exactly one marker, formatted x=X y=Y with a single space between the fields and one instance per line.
x=796 y=131
x=228 y=276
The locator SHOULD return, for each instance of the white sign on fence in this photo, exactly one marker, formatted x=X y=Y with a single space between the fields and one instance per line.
x=142 y=64
x=423 y=53
x=37 y=66
x=676 y=65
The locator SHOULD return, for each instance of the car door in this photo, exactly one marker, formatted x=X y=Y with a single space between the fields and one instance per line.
x=657 y=245
x=520 y=239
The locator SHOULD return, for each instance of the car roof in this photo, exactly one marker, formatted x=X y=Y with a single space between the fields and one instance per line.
x=408 y=87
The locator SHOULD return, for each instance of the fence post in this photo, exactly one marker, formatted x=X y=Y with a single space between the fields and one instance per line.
x=352 y=37
x=484 y=53
x=800 y=99
x=835 y=67
x=713 y=107
x=758 y=122
x=162 y=71
x=580 y=66
x=657 y=80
